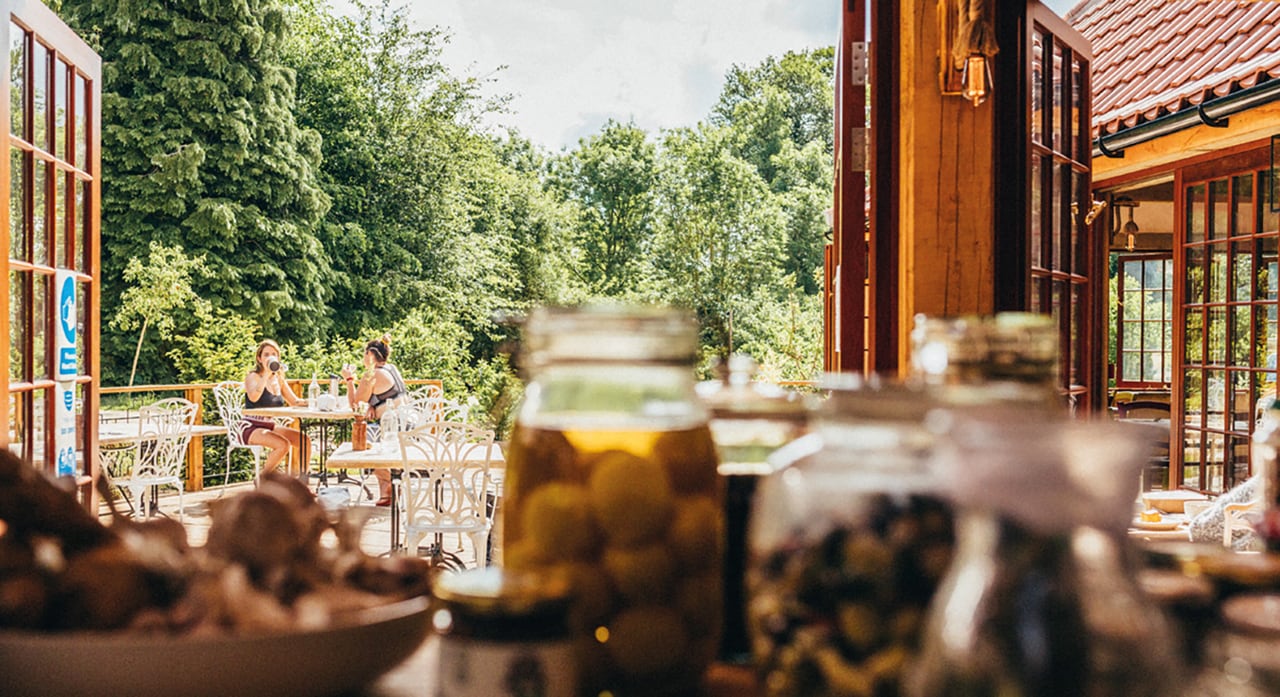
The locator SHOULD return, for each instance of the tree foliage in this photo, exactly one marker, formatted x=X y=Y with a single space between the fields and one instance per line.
x=336 y=178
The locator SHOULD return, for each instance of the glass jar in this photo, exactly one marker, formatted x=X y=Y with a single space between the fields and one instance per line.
x=1042 y=597
x=849 y=540
x=750 y=420
x=502 y=632
x=973 y=361
x=611 y=479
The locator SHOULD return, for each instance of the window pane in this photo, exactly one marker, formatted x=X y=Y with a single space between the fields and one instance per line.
x=18 y=421
x=1218 y=273
x=1270 y=217
x=40 y=96
x=1264 y=323
x=1037 y=88
x=1217 y=336
x=1054 y=227
x=1192 y=395
x=1195 y=213
x=17 y=68
x=1081 y=147
x=1152 y=367
x=1131 y=335
x=1215 y=392
x=1058 y=99
x=1267 y=278
x=1131 y=366
x=39 y=426
x=1153 y=274
x=1242 y=192
x=1077 y=314
x=60 y=110
x=18 y=248
x=1037 y=234
x=39 y=235
x=1219 y=208
x=19 y=306
x=58 y=218
x=1080 y=196
x=80 y=97
x=1153 y=335
x=81 y=228
x=1194 y=287
x=1242 y=271
x=1241 y=337
x=39 y=322
x=1193 y=337
x=1133 y=302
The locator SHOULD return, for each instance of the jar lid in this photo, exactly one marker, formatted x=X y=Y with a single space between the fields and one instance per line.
x=502 y=592
x=608 y=333
x=736 y=394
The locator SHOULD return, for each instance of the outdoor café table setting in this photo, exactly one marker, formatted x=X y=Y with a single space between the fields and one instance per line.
x=331 y=425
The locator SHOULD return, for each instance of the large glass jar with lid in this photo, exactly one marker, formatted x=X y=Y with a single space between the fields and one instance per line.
x=611 y=479
x=849 y=540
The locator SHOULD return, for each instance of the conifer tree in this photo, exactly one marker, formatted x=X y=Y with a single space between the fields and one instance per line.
x=200 y=148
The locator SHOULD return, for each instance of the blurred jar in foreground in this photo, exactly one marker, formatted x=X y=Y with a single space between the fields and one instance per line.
x=1008 y=357
x=611 y=479
x=1042 y=598
x=749 y=421
x=1243 y=655
x=848 y=543
x=502 y=633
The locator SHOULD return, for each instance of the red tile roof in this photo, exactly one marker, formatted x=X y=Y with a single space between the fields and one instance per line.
x=1155 y=57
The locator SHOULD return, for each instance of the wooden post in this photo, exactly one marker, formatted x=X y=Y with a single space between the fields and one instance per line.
x=195 y=449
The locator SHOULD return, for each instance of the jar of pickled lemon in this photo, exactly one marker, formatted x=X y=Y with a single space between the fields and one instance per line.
x=611 y=479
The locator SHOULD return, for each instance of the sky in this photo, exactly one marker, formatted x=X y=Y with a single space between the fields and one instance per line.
x=572 y=64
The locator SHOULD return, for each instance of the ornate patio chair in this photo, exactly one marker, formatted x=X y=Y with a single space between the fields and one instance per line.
x=164 y=432
x=230 y=398
x=446 y=487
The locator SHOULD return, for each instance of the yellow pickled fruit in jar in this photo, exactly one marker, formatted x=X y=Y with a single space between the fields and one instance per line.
x=557 y=522
x=698 y=600
x=594 y=598
x=690 y=459
x=695 y=533
x=630 y=497
x=647 y=641
x=641 y=574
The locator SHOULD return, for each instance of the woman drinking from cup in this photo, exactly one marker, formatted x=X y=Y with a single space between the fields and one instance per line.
x=381 y=386
x=266 y=386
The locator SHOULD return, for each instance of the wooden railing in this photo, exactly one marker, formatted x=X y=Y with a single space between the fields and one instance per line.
x=194 y=393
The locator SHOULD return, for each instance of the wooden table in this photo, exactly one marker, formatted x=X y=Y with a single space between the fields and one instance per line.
x=310 y=418
x=388 y=456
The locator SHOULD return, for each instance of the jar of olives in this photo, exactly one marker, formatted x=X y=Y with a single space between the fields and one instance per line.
x=849 y=541
x=611 y=480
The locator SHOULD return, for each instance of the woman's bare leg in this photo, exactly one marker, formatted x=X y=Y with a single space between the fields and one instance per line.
x=277 y=448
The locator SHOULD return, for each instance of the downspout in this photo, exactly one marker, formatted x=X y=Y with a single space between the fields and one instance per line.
x=1212 y=113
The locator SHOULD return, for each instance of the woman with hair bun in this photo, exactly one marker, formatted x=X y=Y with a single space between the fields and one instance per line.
x=381 y=386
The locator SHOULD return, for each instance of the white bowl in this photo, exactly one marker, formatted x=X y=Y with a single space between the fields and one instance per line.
x=331 y=661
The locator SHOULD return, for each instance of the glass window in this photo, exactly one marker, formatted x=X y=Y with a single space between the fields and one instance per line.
x=1270 y=213
x=81 y=225
x=1242 y=196
x=39 y=211
x=19 y=309
x=1037 y=88
x=1196 y=213
x=19 y=417
x=1145 y=334
x=61 y=112
x=40 y=96
x=58 y=218
x=81 y=135
x=1059 y=142
x=17 y=81
x=1219 y=207
x=39 y=326
x=1036 y=234
x=18 y=247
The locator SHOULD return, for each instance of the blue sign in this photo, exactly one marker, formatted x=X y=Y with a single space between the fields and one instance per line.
x=66 y=368
x=69 y=399
x=67 y=462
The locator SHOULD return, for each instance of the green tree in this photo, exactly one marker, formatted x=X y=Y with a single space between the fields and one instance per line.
x=158 y=287
x=610 y=178
x=200 y=146
x=720 y=232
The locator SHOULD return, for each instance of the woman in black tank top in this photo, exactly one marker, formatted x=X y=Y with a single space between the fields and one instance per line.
x=265 y=387
x=381 y=387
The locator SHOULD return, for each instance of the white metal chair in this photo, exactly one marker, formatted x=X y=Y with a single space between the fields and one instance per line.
x=164 y=432
x=230 y=398
x=1239 y=516
x=446 y=485
x=442 y=409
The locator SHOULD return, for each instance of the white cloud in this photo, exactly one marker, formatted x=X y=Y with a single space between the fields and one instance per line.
x=573 y=63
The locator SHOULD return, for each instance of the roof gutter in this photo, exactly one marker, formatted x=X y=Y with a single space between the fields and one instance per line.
x=1212 y=113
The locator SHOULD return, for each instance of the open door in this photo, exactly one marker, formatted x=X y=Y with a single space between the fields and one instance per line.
x=1046 y=261
x=49 y=230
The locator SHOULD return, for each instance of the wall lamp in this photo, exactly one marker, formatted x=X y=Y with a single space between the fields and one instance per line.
x=967 y=44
